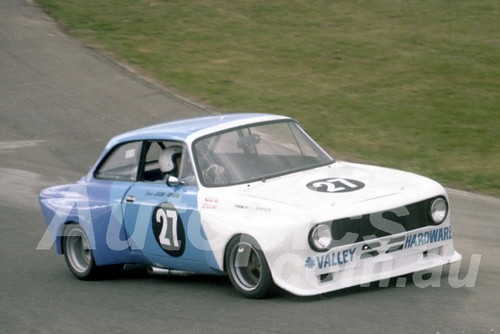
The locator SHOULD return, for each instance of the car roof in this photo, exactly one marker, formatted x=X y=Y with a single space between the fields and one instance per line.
x=194 y=127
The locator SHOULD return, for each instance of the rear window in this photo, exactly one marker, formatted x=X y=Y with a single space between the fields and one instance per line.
x=121 y=164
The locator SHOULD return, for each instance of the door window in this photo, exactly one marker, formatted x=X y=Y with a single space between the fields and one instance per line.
x=182 y=165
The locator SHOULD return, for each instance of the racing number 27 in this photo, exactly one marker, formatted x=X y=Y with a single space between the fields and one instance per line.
x=168 y=234
x=169 y=230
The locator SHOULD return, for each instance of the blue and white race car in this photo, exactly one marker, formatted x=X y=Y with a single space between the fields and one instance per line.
x=251 y=196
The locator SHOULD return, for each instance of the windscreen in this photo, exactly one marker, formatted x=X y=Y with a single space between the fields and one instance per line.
x=256 y=152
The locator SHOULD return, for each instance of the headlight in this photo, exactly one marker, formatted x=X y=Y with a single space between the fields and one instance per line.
x=320 y=237
x=438 y=210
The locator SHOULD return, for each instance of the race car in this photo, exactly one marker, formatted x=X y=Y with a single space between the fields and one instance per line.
x=250 y=196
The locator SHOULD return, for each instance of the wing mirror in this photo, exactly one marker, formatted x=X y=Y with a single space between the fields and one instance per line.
x=173 y=181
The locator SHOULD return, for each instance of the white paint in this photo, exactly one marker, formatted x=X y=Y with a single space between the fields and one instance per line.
x=19 y=187
x=10 y=145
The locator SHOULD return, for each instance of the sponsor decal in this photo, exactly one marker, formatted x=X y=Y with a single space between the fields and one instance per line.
x=252 y=207
x=210 y=203
x=377 y=247
x=335 y=185
x=168 y=229
x=155 y=194
x=428 y=237
x=331 y=259
x=129 y=154
x=262 y=209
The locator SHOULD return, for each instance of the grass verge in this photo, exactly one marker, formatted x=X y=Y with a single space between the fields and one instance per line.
x=406 y=84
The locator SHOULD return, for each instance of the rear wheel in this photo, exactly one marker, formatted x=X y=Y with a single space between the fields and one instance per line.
x=247 y=268
x=79 y=256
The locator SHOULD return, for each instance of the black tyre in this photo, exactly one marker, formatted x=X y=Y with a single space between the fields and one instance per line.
x=247 y=268
x=80 y=258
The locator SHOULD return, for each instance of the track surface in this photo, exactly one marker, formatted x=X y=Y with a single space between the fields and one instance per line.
x=59 y=104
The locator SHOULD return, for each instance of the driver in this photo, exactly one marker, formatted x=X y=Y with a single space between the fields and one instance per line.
x=170 y=160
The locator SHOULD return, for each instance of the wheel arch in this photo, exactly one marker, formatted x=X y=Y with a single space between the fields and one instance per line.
x=240 y=235
x=224 y=253
x=254 y=279
x=61 y=236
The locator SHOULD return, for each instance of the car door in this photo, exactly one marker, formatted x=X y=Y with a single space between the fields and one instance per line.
x=112 y=179
x=162 y=222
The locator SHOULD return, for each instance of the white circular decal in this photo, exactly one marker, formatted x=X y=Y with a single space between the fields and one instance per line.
x=168 y=229
x=335 y=185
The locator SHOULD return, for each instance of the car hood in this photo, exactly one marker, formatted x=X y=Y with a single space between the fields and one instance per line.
x=343 y=185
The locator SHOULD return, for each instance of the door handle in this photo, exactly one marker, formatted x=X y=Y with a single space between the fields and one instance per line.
x=130 y=198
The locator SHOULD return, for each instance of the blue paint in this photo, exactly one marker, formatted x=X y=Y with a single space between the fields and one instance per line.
x=428 y=237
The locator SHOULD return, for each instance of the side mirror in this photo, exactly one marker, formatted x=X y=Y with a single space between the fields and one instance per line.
x=172 y=181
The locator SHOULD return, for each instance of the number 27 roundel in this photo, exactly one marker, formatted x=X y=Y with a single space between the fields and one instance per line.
x=168 y=229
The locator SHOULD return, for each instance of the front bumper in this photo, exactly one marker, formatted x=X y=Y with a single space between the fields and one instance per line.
x=311 y=273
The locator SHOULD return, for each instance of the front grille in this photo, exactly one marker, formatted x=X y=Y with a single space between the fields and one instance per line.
x=380 y=224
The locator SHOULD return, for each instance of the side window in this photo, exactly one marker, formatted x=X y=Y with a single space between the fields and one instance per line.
x=156 y=160
x=164 y=158
x=152 y=170
x=121 y=164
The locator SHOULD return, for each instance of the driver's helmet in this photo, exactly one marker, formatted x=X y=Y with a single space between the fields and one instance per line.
x=167 y=158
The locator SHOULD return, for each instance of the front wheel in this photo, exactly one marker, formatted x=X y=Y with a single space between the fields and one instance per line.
x=79 y=256
x=247 y=268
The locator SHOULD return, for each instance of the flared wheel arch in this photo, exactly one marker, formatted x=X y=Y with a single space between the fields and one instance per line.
x=266 y=286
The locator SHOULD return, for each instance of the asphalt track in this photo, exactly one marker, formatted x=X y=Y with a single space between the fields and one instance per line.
x=59 y=104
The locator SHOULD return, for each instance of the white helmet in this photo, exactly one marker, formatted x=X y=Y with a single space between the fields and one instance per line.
x=167 y=158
